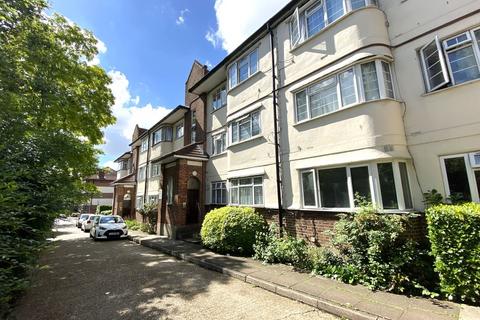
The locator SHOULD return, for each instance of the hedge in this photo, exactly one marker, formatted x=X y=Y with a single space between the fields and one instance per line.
x=454 y=233
x=101 y=208
x=231 y=230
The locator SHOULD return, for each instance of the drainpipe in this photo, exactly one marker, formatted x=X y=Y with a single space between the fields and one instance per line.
x=275 y=128
x=146 y=169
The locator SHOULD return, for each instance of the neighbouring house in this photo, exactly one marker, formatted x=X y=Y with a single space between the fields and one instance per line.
x=328 y=99
x=102 y=180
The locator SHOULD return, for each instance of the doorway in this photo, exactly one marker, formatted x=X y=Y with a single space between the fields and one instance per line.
x=193 y=201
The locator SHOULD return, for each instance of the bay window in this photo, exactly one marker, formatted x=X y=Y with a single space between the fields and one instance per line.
x=246 y=191
x=341 y=187
x=452 y=61
x=219 y=192
x=179 y=131
x=219 y=143
x=461 y=174
x=243 y=69
x=219 y=98
x=359 y=83
x=245 y=128
x=162 y=134
x=308 y=22
x=144 y=145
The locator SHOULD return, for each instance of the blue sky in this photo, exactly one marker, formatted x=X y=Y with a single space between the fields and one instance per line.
x=148 y=46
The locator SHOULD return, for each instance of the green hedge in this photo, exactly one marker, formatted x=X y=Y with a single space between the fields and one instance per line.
x=101 y=208
x=106 y=212
x=231 y=230
x=454 y=233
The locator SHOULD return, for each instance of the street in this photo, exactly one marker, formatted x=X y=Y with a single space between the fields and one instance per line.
x=83 y=279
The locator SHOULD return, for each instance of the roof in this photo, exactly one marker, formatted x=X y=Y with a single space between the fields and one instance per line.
x=194 y=151
x=124 y=156
x=244 y=46
x=130 y=178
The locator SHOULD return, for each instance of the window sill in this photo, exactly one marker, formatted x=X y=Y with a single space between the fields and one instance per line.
x=450 y=87
x=258 y=136
x=350 y=210
x=342 y=109
x=247 y=205
x=218 y=155
x=345 y=16
x=243 y=82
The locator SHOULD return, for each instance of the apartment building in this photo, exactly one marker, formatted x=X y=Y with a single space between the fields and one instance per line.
x=330 y=99
x=102 y=180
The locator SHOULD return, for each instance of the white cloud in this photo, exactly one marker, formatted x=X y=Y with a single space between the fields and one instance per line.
x=236 y=20
x=102 y=49
x=128 y=114
x=111 y=164
x=181 y=19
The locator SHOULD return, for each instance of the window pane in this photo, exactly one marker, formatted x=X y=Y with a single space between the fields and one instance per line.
x=463 y=64
x=477 y=36
x=246 y=195
x=245 y=130
x=232 y=76
x=245 y=181
x=223 y=97
x=370 y=82
x=254 y=61
x=387 y=78
x=242 y=69
x=315 y=20
x=294 y=29
x=347 y=87
x=234 y=195
x=257 y=180
x=234 y=132
x=361 y=183
x=357 y=4
x=457 y=178
x=323 y=97
x=301 y=99
x=224 y=195
x=434 y=70
x=255 y=124
x=308 y=189
x=333 y=188
x=334 y=10
x=407 y=195
x=477 y=179
x=387 y=186
x=258 y=195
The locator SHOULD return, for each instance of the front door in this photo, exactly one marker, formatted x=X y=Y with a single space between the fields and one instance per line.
x=192 y=206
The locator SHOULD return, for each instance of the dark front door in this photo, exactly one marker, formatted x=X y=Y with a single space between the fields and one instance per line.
x=192 y=206
x=126 y=208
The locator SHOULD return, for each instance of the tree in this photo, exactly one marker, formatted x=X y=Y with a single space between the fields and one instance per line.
x=53 y=106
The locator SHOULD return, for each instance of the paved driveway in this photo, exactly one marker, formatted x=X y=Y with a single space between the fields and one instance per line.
x=83 y=279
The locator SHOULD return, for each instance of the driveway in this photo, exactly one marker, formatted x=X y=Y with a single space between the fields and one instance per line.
x=83 y=279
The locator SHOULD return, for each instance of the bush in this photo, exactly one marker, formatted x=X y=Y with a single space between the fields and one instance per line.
x=101 y=208
x=149 y=213
x=271 y=248
x=133 y=225
x=106 y=212
x=231 y=230
x=454 y=233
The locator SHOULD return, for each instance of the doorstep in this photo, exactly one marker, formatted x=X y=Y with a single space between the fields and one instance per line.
x=343 y=300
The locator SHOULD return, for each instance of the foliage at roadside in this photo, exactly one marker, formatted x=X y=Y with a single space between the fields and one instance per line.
x=231 y=230
x=102 y=208
x=134 y=225
x=149 y=212
x=454 y=233
x=106 y=212
x=53 y=108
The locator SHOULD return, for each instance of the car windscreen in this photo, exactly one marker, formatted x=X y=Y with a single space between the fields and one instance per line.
x=111 y=219
x=83 y=216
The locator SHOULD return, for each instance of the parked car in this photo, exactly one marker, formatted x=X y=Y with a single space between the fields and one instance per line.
x=108 y=227
x=82 y=218
x=88 y=223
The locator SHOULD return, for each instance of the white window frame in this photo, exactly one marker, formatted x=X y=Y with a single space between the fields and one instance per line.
x=359 y=88
x=138 y=202
x=161 y=135
x=471 y=41
x=232 y=189
x=219 y=136
x=142 y=173
x=217 y=96
x=144 y=145
x=155 y=170
x=237 y=122
x=236 y=67
x=153 y=198
x=317 y=195
x=223 y=189
x=474 y=192
x=182 y=128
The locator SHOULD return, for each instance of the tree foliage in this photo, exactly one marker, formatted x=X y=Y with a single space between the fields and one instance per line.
x=53 y=106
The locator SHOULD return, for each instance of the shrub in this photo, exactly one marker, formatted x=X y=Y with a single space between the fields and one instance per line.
x=231 y=230
x=101 y=208
x=454 y=233
x=149 y=213
x=133 y=225
x=271 y=248
x=106 y=212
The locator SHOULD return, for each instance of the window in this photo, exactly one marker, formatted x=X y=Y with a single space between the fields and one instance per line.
x=144 y=146
x=219 y=142
x=246 y=191
x=246 y=127
x=155 y=170
x=162 y=134
x=305 y=24
x=243 y=69
x=153 y=199
x=461 y=174
x=343 y=89
x=453 y=61
x=139 y=202
x=219 y=98
x=170 y=190
x=179 y=131
x=341 y=187
x=219 y=192
x=142 y=173
x=123 y=165
x=194 y=127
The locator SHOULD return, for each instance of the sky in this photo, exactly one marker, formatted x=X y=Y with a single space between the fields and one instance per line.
x=147 y=47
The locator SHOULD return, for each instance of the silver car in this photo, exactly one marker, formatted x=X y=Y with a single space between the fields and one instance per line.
x=88 y=223
x=108 y=227
x=82 y=218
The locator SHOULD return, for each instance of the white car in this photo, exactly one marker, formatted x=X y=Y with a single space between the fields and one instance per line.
x=81 y=219
x=88 y=223
x=108 y=227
